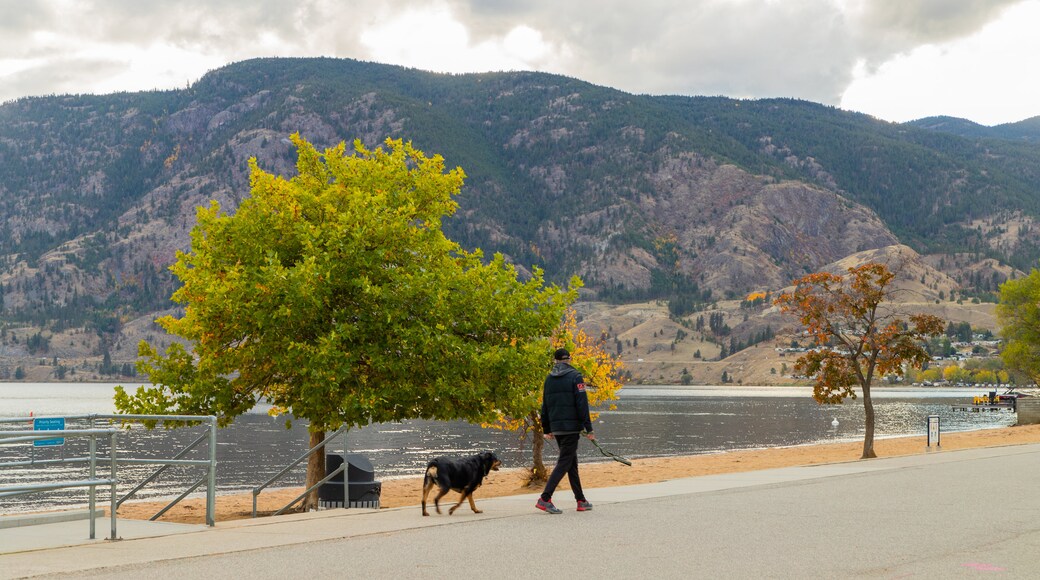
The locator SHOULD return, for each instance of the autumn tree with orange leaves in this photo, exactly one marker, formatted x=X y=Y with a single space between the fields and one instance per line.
x=857 y=335
x=600 y=369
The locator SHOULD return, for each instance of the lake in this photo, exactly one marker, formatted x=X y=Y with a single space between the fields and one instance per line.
x=648 y=422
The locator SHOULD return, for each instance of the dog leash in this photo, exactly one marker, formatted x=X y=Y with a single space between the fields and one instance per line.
x=605 y=453
x=613 y=456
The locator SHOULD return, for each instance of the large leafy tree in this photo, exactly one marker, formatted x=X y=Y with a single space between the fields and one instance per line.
x=1018 y=313
x=336 y=297
x=858 y=336
x=600 y=369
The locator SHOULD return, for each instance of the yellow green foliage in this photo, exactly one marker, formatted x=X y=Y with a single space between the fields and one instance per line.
x=1018 y=313
x=336 y=297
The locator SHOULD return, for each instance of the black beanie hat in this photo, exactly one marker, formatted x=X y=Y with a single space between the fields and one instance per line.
x=561 y=354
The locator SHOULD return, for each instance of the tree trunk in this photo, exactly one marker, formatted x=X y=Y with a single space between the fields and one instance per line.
x=538 y=471
x=868 y=437
x=315 y=470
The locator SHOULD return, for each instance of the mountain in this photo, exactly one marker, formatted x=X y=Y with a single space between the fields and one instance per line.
x=689 y=200
x=1027 y=131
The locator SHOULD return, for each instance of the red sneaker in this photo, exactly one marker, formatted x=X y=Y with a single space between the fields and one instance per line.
x=547 y=506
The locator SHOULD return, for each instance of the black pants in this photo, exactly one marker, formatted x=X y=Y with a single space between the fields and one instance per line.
x=567 y=463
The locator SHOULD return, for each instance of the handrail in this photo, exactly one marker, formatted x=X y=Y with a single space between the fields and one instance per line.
x=24 y=436
x=334 y=473
x=179 y=498
x=159 y=471
x=163 y=418
x=211 y=476
x=17 y=490
x=9 y=437
x=30 y=419
x=311 y=451
x=211 y=462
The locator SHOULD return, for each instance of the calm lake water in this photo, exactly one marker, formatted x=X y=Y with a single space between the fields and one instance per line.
x=648 y=422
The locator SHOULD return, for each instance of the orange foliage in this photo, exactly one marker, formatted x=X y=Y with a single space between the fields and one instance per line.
x=856 y=339
x=601 y=370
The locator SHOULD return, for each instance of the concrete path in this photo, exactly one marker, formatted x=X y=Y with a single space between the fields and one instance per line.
x=957 y=514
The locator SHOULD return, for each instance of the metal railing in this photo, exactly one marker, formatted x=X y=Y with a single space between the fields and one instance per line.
x=210 y=463
x=11 y=437
x=341 y=469
x=210 y=478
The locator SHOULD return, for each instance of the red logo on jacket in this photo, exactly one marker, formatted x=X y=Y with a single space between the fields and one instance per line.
x=581 y=387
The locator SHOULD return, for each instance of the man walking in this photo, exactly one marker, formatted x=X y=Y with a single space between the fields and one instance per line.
x=565 y=415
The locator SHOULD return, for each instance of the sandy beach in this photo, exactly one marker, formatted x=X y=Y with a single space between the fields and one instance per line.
x=408 y=491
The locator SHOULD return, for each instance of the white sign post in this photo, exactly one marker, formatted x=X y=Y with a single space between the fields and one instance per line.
x=933 y=431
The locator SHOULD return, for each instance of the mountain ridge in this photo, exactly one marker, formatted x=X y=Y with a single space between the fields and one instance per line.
x=689 y=200
x=1026 y=130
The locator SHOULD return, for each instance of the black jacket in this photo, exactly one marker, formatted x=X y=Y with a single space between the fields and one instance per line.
x=565 y=406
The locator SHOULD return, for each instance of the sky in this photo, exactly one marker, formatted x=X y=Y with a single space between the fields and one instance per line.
x=897 y=60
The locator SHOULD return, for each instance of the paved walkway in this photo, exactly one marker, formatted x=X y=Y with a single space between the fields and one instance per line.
x=972 y=513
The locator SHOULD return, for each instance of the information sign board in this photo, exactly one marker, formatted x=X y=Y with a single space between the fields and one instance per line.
x=49 y=424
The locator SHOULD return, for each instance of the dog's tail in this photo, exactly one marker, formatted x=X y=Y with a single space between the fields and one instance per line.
x=431 y=475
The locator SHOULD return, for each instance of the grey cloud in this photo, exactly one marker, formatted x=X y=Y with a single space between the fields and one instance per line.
x=59 y=77
x=215 y=27
x=928 y=21
x=198 y=23
x=885 y=28
x=19 y=20
x=748 y=54
x=18 y=15
x=789 y=48
x=799 y=48
x=229 y=30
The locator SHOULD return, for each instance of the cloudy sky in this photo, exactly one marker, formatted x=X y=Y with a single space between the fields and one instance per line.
x=894 y=59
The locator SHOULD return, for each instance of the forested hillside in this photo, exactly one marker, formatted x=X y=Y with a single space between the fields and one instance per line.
x=1027 y=131
x=683 y=199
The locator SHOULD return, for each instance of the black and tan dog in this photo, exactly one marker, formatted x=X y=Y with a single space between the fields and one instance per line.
x=462 y=475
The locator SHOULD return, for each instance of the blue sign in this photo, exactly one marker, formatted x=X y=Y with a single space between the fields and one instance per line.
x=49 y=424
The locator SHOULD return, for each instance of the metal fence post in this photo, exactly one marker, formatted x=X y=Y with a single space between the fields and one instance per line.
x=346 y=474
x=211 y=488
x=93 y=477
x=112 y=476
